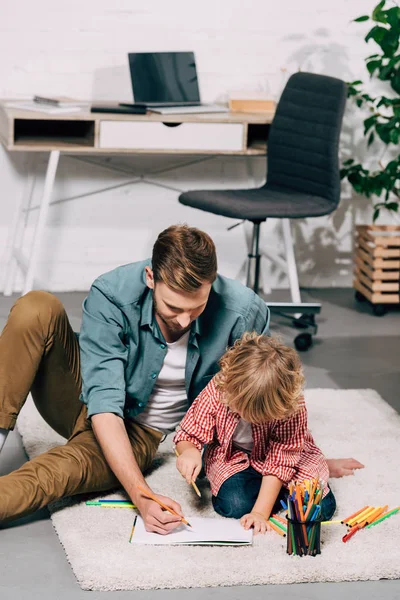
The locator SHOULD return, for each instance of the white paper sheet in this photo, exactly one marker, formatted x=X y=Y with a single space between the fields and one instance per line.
x=204 y=531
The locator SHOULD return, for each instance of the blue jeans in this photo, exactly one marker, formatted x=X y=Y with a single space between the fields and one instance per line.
x=238 y=494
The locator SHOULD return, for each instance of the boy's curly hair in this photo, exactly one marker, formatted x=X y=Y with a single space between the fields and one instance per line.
x=261 y=378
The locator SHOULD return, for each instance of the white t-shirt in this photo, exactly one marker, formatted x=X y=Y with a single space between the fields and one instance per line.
x=168 y=404
x=243 y=436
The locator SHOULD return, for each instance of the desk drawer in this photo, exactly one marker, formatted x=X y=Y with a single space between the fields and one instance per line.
x=155 y=136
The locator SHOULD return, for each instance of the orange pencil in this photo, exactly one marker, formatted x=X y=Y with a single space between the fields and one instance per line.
x=277 y=529
x=358 y=512
x=376 y=514
x=164 y=506
x=278 y=518
x=359 y=516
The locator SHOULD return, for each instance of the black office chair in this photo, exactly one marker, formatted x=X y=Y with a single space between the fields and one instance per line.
x=302 y=178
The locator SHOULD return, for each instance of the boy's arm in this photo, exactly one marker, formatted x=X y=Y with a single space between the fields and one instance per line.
x=198 y=425
x=269 y=491
x=261 y=511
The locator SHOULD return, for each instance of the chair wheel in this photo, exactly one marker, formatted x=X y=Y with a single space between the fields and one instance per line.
x=303 y=341
x=379 y=310
x=359 y=297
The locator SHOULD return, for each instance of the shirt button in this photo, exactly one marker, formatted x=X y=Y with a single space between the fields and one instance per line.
x=153 y=375
x=140 y=403
x=162 y=346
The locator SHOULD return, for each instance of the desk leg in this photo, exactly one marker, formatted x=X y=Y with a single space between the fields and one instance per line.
x=291 y=262
x=18 y=223
x=41 y=222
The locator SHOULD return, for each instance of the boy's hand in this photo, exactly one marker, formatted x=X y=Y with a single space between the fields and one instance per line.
x=257 y=521
x=189 y=464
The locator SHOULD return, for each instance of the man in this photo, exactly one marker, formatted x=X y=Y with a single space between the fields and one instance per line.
x=152 y=334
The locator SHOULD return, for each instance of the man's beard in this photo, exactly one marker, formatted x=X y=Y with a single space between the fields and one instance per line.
x=169 y=323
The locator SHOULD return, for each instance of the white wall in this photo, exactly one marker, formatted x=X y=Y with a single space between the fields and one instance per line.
x=80 y=49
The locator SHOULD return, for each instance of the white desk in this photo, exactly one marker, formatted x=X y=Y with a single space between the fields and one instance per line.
x=242 y=134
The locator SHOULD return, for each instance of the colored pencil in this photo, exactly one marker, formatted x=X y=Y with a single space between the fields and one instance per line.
x=360 y=516
x=150 y=495
x=363 y=516
x=331 y=522
x=276 y=528
x=196 y=489
x=354 y=514
x=383 y=517
x=277 y=523
x=350 y=533
x=133 y=529
x=109 y=505
x=278 y=518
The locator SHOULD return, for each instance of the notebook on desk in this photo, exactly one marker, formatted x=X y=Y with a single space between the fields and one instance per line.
x=204 y=532
x=166 y=82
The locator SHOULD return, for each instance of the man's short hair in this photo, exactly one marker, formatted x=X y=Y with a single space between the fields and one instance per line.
x=184 y=258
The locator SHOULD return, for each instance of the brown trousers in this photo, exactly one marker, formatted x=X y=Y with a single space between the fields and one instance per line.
x=39 y=353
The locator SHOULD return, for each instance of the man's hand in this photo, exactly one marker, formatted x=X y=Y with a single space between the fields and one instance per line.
x=189 y=464
x=257 y=521
x=156 y=519
x=340 y=467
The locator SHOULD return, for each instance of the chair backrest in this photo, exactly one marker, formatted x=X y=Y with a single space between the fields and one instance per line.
x=303 y=142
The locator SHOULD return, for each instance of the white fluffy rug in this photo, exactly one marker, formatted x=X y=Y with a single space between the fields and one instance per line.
x=344 y=423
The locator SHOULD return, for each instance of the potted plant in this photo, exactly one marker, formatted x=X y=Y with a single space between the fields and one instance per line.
x=378 y=247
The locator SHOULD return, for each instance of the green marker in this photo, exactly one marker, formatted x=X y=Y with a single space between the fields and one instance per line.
x=278 y=524
x=389 y=514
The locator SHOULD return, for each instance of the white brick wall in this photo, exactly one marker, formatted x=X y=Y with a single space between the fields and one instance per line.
x=80 y=49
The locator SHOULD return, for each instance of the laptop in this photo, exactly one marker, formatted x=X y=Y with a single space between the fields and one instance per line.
x=166 y=82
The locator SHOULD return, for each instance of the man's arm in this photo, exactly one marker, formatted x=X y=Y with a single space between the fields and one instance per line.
x=103 y=358
x=111 y=434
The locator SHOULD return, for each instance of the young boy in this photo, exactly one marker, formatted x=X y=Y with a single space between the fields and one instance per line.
x=253 y=418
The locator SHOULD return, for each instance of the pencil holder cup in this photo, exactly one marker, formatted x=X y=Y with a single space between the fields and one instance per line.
x=303 y=537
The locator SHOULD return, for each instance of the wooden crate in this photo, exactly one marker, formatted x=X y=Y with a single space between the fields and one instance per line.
x=377 y=263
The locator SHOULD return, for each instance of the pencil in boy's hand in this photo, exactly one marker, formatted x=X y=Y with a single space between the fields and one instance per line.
x=149 y=494
x=196 y=489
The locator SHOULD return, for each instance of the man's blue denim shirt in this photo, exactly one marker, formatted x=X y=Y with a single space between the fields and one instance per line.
x=123 y=349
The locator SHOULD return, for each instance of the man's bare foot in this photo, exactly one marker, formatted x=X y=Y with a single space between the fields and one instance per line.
x=340 y=467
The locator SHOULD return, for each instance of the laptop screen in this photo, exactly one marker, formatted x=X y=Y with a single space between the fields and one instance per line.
x=164 y=77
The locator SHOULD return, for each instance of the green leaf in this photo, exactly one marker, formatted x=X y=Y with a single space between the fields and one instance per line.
x=371 y=138
x=376 y=214
x=377 y=12
x=360 y=19
x=393 y=17
x=348 y=162
x=385 y=72
x=372 y=65
x=368 y=123
x=392 y=206
x=377 y=34
x=389 y=42
x=395 y=81
x=394 y=136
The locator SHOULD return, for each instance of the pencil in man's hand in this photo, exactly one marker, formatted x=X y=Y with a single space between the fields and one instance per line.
x=148 y=494
x=196 y=489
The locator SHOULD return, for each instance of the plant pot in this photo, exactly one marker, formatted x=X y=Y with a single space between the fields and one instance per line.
x=377 y=266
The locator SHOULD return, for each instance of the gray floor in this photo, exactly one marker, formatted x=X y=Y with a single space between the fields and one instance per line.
x=353 y=349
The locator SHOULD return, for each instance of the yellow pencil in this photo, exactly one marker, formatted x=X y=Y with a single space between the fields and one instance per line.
x=329 y=522
x=150 y=495
x=133 y=529
x=196 y=489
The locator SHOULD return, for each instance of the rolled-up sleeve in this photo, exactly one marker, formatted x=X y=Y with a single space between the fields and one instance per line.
x=198 y=425
x=286 y=445
x=103 y=353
